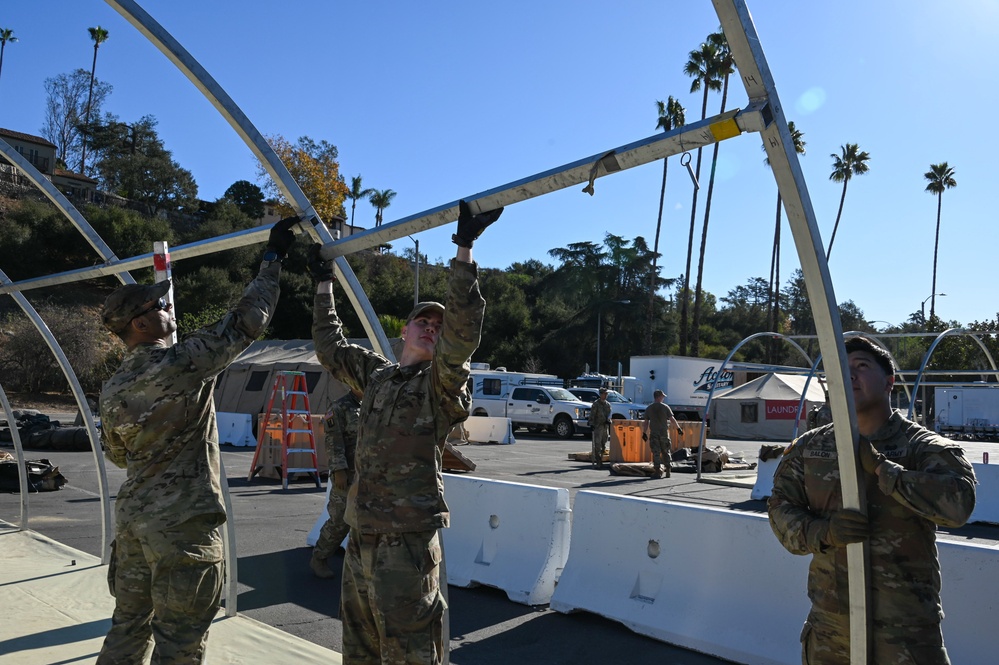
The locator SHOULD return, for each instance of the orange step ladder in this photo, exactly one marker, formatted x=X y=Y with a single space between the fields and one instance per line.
x=292 y=394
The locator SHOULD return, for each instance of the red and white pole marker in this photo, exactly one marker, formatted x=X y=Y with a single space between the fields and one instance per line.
x=163 y=270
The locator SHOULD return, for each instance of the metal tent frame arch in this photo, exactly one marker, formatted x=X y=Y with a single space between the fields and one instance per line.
x=763 y=115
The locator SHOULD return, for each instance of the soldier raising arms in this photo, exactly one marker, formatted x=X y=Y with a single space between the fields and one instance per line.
x=391 y=601
x=158 y=422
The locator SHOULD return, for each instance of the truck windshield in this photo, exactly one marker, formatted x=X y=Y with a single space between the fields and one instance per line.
x=615 y=396
x=563 y=395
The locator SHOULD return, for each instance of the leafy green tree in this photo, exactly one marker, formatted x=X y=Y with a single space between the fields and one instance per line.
x=724 y=66
x=850 y=162
x=132 y=162
x=380 y=199
x=6 y=35
x=671 y=116
x=357 y=191
x=248 y=198
x=65 y=104
x=941 y=178
x=316 y=168
x=702 y=66
x=98 y=35
x=127 y=232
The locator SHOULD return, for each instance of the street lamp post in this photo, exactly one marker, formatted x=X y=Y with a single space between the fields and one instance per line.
x=922 y=307
x=416 y=290
x=600 y=311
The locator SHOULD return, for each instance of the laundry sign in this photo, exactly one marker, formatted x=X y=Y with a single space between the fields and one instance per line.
x=781 y=409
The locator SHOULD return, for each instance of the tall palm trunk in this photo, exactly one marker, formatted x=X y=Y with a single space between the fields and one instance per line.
x=685 y=295
x=839 y=212
x=936 y=246
x=654 y=272
x=695 y=332
x=773 y=290
x=86 y=119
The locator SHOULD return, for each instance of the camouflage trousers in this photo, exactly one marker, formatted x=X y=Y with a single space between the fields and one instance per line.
x=167 y=587
x=334 y=529
x=391 y=602
x=825 y=640
x=600 y=436
x=660 y=445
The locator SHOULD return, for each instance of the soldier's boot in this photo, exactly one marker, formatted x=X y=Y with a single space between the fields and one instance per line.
x=667 y=471
x=657 y=473
x=320 y=568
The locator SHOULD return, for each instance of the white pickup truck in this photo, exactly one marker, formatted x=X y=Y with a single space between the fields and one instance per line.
x=534 y=407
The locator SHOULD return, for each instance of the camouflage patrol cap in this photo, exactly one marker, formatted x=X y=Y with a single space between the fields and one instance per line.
x=126 y=302
x=424 y=306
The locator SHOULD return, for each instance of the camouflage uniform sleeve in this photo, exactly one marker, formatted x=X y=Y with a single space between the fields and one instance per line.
x=460 y=336
x=211 y=349
x=335 y=440
x=797 y=528
x=941 y=488
x=348 y=363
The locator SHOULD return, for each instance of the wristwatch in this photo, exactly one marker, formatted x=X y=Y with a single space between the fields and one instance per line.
x=271 y=256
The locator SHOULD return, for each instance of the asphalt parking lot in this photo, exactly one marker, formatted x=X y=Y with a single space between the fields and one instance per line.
x=276 y=587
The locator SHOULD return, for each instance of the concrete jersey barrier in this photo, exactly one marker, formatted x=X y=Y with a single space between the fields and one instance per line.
x=506 y=535
x=718 y=582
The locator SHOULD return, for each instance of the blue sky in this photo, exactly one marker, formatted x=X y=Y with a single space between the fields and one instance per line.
x=440 y=100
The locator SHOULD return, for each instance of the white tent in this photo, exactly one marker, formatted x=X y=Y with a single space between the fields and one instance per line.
x=246 y=384
x=764 y=408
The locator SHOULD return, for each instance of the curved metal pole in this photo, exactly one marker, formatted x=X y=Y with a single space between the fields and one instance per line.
x=929 y=352
x=815 y=365
x=229 y=542
x=81 y=402
x=63 y=205
x=262 y=150
x=714 y=384
x=747 y=51
x=22 y=471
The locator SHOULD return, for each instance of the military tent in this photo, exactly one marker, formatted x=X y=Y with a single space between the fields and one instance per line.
x=764 y=408
x=246 y=385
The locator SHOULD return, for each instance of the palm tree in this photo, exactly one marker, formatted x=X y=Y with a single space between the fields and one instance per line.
x=99 y=35
x=702 y=66
x=773 y=304
x=850 y=162
x=724 y=66
x=356 y=192
x=941 y=177
x=380 y=200
x=6 y=35
x=671 y=116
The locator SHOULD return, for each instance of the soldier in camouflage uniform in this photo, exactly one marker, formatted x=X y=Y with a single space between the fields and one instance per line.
x=341 y=440
x=600 y=421
x=913 y=480
x=658 y=418
x=391 y=602
x=158 y=422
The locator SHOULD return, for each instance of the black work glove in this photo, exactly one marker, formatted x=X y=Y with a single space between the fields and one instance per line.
x=470 y=226
x=844 y=527
x=282 y=237
x=645 y=437
x=320 y=269
x=680 y=430
x=870 y=458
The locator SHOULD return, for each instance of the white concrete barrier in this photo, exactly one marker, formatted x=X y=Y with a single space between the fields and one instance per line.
x=986 y=494
x=711 y=580
x=717 y=581
x=236 y=429
x=765 y=470
x=483 y=429
x=970 y=597
x=506 y=535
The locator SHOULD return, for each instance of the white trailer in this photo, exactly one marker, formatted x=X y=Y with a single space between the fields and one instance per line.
x=967 y=410
x=686 y=382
